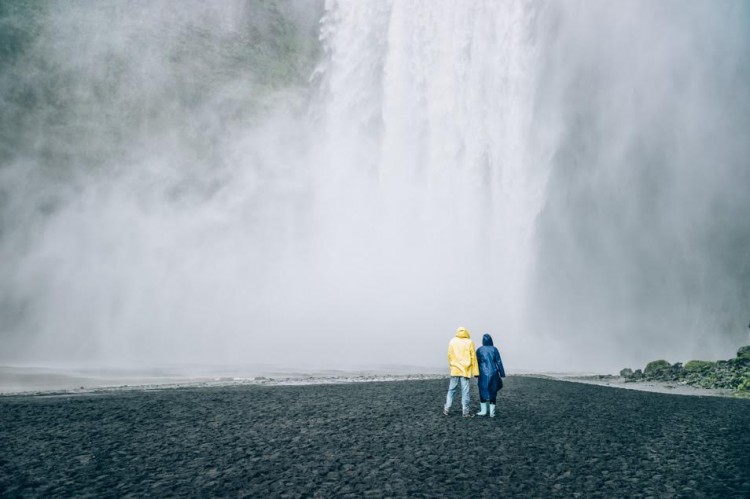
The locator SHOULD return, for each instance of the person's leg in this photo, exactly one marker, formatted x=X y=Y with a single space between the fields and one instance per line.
x=451 y=392
x=465 y=395
x=482 y=400
x=493 y=403
x=483 y=405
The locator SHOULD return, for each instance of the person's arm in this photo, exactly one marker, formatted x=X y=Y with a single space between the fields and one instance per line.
x=474 y=362
x=499 y=363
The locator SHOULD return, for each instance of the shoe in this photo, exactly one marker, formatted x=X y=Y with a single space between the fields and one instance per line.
x=445 y=412
x=492 y=410
x=468 y=415
x=483 y=412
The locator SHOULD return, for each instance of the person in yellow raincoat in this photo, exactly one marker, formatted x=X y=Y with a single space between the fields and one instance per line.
x=462 y=358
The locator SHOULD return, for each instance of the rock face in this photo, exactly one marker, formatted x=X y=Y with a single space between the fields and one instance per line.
x=733 y=373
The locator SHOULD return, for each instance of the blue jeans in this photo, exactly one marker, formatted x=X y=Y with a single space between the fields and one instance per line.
x=465 y=387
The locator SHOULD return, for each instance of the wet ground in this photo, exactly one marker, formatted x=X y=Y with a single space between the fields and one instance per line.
x=671 y=387
x=551 y=438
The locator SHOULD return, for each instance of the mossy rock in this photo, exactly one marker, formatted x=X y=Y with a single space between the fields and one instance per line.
x=744 y=352
x=656 y=366
x=698 y=365
x=737 y=362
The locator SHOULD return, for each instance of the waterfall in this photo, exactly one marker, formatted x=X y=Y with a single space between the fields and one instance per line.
x=426 y=108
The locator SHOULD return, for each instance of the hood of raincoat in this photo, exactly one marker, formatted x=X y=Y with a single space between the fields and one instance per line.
x=462 y=357
x=487 y=340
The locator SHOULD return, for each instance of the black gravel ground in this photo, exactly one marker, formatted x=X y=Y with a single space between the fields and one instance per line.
x=551 y=438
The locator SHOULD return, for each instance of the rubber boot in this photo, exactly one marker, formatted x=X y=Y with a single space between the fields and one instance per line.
x=492 y=410
x=483 y=412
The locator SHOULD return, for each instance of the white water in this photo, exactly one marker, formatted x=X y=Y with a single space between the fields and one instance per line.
x=427 y=163
x=549 y=173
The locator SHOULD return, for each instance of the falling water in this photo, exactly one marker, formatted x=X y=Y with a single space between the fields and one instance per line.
x=342 y=185
x=427 y=113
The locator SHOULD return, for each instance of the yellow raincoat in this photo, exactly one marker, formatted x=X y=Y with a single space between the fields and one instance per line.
x=462 y=356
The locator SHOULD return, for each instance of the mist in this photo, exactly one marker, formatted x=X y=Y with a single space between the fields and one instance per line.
x=642 y=243
x=341 y=185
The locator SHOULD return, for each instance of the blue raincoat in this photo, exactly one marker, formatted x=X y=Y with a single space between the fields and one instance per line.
x=490 y=369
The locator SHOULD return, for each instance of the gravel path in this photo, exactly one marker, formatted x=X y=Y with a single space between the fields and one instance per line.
x=551 y=438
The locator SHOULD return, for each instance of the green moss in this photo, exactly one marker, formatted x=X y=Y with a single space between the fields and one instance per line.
x=741 y=384
x=698 y=365
x=744 y=352
x=656 y=366
x=20 y=24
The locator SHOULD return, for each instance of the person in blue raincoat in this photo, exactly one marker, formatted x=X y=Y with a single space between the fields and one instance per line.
x=491 y=371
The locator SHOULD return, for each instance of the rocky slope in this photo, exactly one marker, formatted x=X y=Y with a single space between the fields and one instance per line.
x=733 y=373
